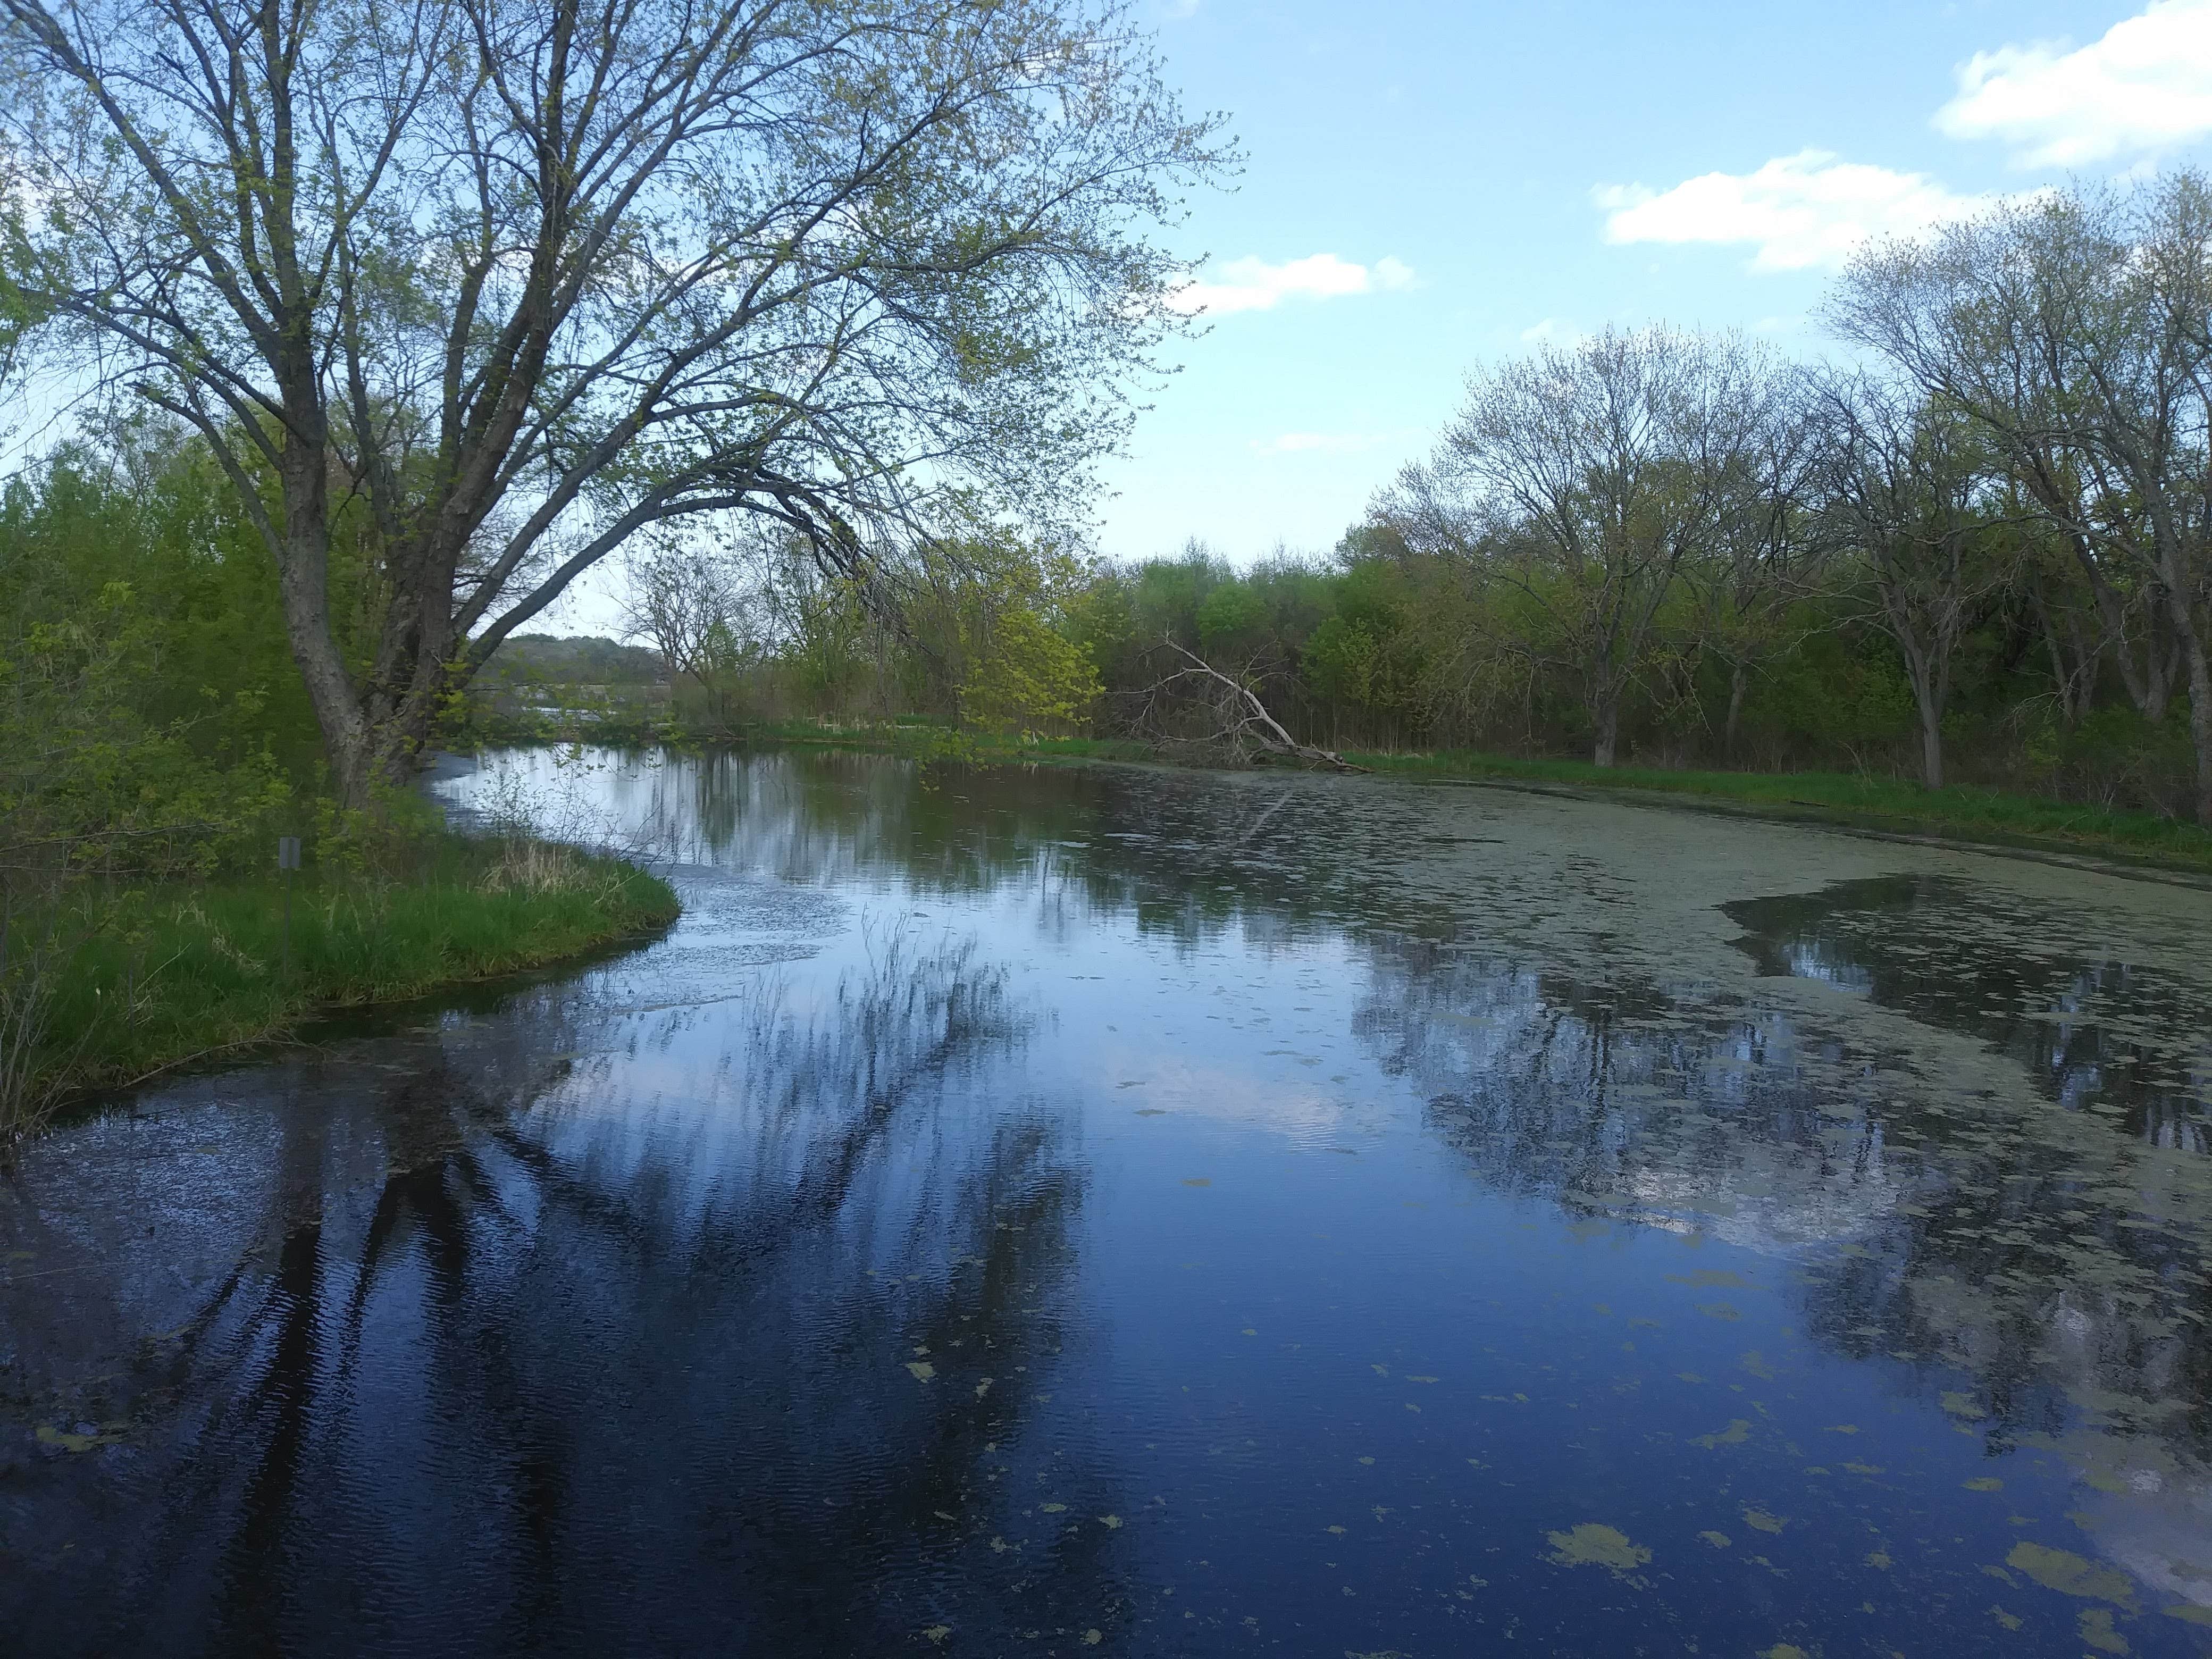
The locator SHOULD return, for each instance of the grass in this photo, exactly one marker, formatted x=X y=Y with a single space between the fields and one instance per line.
x=137 y=981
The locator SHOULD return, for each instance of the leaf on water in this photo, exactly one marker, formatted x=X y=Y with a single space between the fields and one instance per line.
x=2189 y=1613
x=1719 y=1540
x=2068 y=1574
x=938 y=1632
x=1718 y=1310
x=1984 y=1483
x=2096 y=1626
x=1056 y=1509
x=1112 y=1523
x=1091 y=1638
x=923 y=1369
x=1592 y=1544
x=1962 y=1405
x=1879 y=1558
x=2009 y=1620
x=983 y=1387
x=1760 y=1519
x=1738 y=1431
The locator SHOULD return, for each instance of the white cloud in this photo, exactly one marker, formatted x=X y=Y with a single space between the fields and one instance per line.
x=1798 y=211
x=2146 y=85
x=1547 y=331
x=1327 y=443
x=1255 y=285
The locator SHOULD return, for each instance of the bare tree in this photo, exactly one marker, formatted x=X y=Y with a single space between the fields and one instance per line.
x=495 y=287
x=1766 y=558
x=2076 y=331
x=1903 y=488
x=1586 y=478
x=696 y=608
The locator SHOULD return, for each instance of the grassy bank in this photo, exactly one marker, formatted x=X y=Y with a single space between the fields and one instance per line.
x=132 y=982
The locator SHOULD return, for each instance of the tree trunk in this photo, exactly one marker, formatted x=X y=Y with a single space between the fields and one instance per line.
x=1931 y=745
x=2200 y=709
x=1739 y=682
x=303 y=588
x=1608 y=728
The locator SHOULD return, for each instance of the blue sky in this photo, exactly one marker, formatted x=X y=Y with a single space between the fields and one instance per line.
x=1429 y=186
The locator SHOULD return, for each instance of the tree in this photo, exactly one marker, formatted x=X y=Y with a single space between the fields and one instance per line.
x=1586 y=477
x=2076 y=331
x=699 y=612
x=1903 y=484
x=1765 y=560
x=495 y=286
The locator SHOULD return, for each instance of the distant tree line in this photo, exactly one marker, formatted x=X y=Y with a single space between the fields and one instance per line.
x=1980 y=548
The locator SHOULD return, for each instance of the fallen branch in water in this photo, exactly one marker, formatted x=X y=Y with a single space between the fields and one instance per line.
x=1240 y=722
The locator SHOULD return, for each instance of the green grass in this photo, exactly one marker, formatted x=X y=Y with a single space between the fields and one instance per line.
x=1963 y=811
x=141 y=981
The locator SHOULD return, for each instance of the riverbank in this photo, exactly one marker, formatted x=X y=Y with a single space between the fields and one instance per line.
x=1963 y=812
x=138 y=982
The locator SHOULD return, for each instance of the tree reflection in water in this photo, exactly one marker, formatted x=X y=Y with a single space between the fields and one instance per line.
x=732 y=1331
x=2001 y=1247
x=717 y=1298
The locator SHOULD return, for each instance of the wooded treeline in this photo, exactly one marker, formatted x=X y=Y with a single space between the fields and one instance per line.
x=1980 y=549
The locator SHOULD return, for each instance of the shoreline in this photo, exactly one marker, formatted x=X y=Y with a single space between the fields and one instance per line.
x=1964 y=815
x=162 y=980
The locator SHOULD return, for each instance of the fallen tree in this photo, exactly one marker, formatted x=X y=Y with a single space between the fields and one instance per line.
x=1225 y=712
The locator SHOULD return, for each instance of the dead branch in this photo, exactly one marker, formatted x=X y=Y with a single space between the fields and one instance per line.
x=1230 y=712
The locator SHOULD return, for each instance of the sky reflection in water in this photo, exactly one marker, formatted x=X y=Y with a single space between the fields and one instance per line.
x=1119 y=1211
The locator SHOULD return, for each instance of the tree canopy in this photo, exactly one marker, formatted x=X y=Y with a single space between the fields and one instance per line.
x=491 y=288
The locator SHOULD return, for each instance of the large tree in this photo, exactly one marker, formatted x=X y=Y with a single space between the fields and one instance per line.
x=494 y=286
x=1907 y=497
x=2076 y=331
x=1584 y=480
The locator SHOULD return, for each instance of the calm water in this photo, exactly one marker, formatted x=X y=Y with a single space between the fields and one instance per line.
x=1067 y=1211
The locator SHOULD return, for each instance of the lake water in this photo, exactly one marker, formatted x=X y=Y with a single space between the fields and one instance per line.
x=1059 y=1211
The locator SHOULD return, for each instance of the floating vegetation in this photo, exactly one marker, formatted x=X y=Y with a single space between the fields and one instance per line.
x=1592 y=1544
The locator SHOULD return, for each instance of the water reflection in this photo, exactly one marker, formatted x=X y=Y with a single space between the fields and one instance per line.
x=1119 y=1210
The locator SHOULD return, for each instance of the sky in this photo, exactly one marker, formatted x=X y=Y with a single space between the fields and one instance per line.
x=1431 y=187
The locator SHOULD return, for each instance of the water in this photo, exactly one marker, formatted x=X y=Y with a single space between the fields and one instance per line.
x=1057 y=1211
